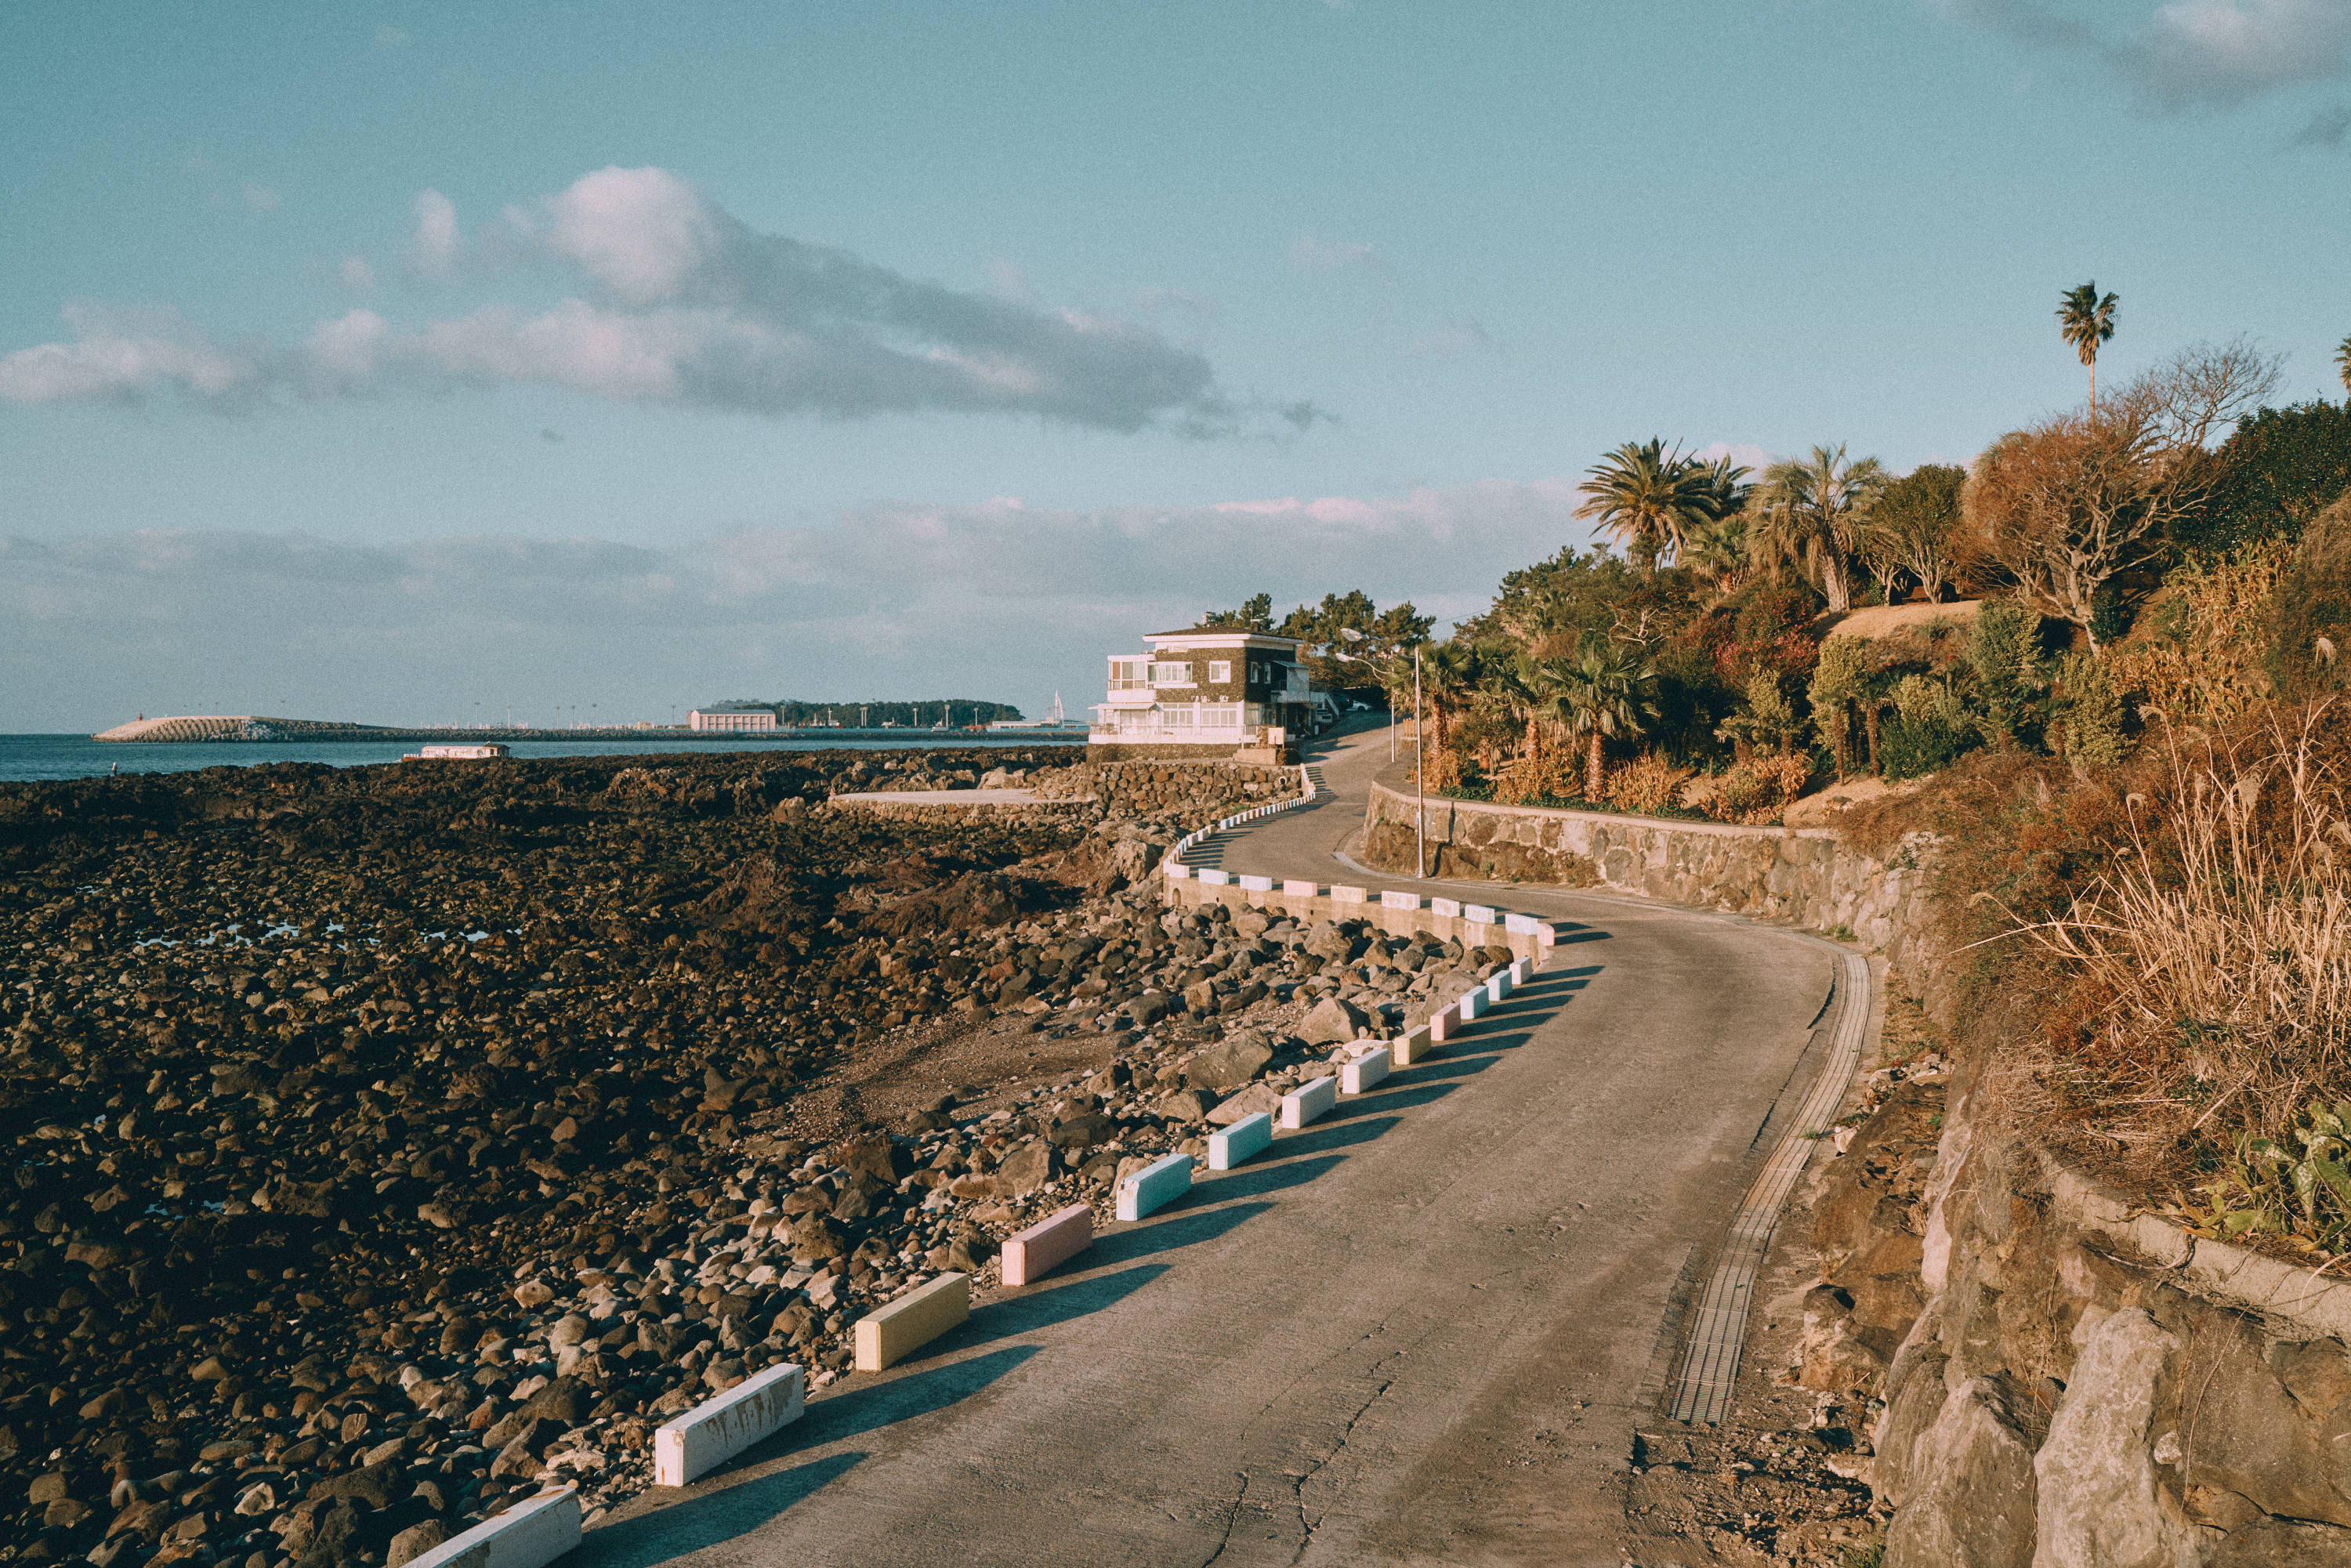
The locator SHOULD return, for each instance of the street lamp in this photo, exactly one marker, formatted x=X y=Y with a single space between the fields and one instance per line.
x=1419 y=771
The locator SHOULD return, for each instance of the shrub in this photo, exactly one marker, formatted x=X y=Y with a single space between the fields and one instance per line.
x=2002 y=648
x=1751 y=793
x=1555 y=773
x=2089 y=717
x=1646 y=785
x=2306 y=626
x=1929 y=732
x=2200 y=661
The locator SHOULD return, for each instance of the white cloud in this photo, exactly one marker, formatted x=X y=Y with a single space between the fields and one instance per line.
x=1307 y=250
x=2191 y=54
x=357 y=273
x=681 y=303
x=434 y=253
x=903 y=599
x=259 y=197
x=2224 y=52
x=127 y=358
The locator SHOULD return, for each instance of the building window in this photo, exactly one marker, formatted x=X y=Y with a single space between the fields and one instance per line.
x=1221 y=715
x=1129 y=675
x=1171 y=673
x=1175 y=717
x=1220 y=671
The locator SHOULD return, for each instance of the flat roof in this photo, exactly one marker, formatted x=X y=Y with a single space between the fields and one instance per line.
x=1223 y=634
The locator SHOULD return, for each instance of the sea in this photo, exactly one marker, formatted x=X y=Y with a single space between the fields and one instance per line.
x=37 y=756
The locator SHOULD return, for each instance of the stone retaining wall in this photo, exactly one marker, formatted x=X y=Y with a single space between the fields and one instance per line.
x=1802 y=876
x=1198 y=791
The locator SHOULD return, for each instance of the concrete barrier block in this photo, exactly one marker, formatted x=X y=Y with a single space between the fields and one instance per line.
x=1521 y=925
x=1340 y=894
x=1175 y=873
x=1250 y=1136
x=1364 y=1072
x=717 y=1429
x=1047 y=1244
x=1294 y=888
x=1308 y=1101
x=912 y=1321
x=1476 y=914
x=1210 y=877
x=1522 y=971
x=1156 y=1185
x=1256 y=883
x=527 y=1535
x=1399 y=901
x=1415 y=1046
x=1473 y=1003
x=1498 y=987
x=1443 y=1025
x=1449 y=907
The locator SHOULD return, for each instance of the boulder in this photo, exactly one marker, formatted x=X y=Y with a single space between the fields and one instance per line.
x=1332 y=1021
x=878 y=1156
x=1256 y=1097
x=2099 y=1506
x=1240 y=1058
x=415 y=1542
x=1147 y=1009
x=1027 y=1168
x=1183 y=1105
x=1083 y=1132
x=1973 y=1504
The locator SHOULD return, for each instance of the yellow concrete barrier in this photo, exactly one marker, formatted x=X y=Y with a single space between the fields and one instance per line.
x=912 y=1321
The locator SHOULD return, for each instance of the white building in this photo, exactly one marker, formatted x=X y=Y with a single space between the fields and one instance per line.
x=761 y=720
x=1215 y=688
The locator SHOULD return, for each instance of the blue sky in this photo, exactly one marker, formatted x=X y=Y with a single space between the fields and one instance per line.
x=373 y=361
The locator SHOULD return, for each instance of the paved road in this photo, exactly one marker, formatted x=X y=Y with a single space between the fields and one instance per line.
x=1417 y=1331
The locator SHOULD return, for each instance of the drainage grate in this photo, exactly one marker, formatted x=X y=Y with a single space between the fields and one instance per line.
x=1710 y=1365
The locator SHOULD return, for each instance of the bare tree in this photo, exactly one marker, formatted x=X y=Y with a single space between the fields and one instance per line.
x=2067 y=504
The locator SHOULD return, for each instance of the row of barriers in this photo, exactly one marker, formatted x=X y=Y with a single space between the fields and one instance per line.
x=543 y=1528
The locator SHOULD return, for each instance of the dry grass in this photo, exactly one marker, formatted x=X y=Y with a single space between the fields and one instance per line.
x=2211 y=964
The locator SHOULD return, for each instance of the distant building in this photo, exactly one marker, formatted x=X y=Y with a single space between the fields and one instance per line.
x=729 y=716
x=1207 y=691
x=485 y=753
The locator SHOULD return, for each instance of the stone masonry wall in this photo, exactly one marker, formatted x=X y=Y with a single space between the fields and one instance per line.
x=1802 y=876
x=1199 y=792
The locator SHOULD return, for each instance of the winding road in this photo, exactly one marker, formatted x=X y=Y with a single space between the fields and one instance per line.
x=1419 y=1331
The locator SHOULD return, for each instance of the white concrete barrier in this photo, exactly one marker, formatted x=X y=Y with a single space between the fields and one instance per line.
x=1294 y=888
x=1212 y=877
x=1049 y=1243
x=1399 y=901
x=1476 y=914
x=1256 y=883
x=1176 y=872
x=1498 y=987
x=529 y=1535
x=1416 y=1044
x=1251 y=1134
x=1472 y=1004
x=1364 y=1072
x=1521 y=971
x=1308 y=1101
x=1449 y=907
x=1340 y=894
x=1522 y=925
x=1156 y=1185
x=1443 y=1025
x=717 y=1429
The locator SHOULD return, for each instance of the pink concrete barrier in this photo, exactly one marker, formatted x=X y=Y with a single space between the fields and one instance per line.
x=1051 y=1242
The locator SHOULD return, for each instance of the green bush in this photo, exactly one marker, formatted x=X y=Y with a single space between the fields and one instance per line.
x=2089 y=718
x=2004 y=647
x=1930 y=731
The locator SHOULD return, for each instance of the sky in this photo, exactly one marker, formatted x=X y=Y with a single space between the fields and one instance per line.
x=375 y=362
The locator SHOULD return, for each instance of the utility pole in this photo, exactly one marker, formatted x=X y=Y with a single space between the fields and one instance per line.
x=1419 y=776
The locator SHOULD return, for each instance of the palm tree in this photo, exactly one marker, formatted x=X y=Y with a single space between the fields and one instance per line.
x=1809 y=510
x=2343 y=365
x=1449 y=675
x=1717 y=550
x=1649 y=498
x=1602 y=693
x=2086 y=321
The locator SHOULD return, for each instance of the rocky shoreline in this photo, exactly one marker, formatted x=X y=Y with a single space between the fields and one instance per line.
x=391 y=1142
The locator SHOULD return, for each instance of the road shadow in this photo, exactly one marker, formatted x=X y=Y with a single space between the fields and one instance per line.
x=1255 y=1180
x=733 y=1511
x=1010 y=1315
x=1183 y=1230
x=866 y=1406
